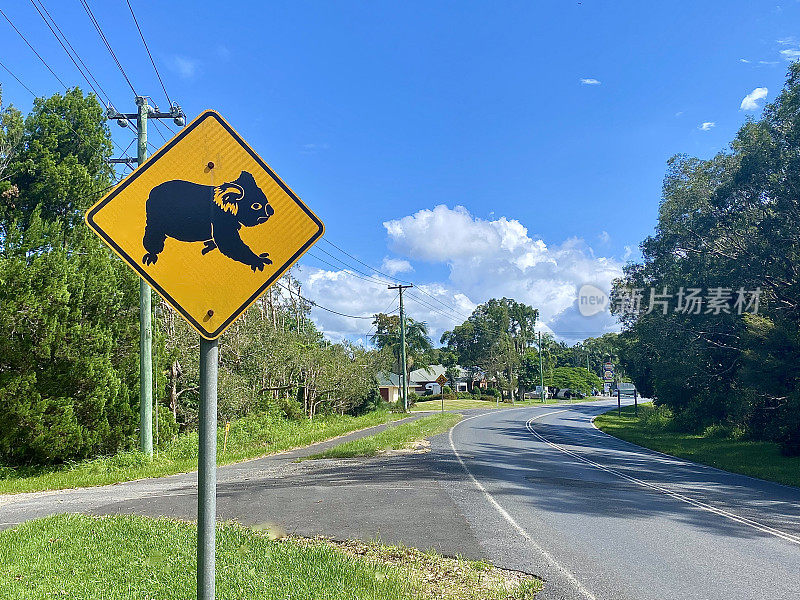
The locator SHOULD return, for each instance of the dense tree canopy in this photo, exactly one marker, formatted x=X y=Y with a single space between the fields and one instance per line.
x=730 y=223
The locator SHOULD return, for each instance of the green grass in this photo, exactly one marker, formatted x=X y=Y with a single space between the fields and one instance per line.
x=393 y=438
x=464 y=403
x=654 y=429
x=137 y=558
x=250 y=437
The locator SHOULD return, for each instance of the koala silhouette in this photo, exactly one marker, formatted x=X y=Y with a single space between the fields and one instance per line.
x=190 y=212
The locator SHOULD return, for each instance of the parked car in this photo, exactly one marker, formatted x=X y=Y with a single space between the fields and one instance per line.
x=568 y=393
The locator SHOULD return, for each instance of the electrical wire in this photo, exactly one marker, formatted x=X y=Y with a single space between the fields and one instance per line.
x=69 y=54
x=392 y=277
x=39 y=56
x=52 y=112
x=153 y=62
x=99 y=29
x=315 y=305
x=18 y=79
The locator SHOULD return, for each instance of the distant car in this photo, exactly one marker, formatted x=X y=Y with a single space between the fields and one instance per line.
x=568 y=393
x=537 y=394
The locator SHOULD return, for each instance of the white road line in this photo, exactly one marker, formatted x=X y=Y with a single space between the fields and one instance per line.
x=683 y=498
x=504 y=513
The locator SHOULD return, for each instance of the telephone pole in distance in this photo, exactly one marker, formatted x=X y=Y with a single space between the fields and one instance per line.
x=403 y=363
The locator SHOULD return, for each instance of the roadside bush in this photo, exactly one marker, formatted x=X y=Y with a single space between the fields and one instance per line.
x=493 y=392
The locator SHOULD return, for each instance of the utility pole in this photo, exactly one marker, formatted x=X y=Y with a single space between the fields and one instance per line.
x=541 y=368
x=403 y=364
x=143 y=113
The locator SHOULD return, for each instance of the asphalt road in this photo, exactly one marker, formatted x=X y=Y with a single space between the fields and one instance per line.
x=535 y=489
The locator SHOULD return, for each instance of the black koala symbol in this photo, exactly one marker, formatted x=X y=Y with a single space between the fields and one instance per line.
x=190 y=212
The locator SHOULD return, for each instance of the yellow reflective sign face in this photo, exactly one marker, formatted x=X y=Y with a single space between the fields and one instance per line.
x=207 y=223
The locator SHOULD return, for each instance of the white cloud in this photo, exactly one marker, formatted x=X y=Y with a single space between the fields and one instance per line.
x=604 y=236
x=393 y=266
x=494 y=258
x=589 y=81
x=744 y=60
x=750 y=102
x=186 y=68
x=706 y=126
x=790 y=54
x=628 y=253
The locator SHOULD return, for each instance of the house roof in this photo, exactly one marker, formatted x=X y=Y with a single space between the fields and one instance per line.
x=386 y=379
x=418 y=376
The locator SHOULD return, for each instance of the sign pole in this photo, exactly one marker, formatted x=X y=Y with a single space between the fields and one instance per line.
x=619 y=403
x=207 y=470
x=541 y=370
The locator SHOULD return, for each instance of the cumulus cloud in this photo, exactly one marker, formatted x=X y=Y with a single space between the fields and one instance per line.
x=604 y=237
x=393 y=266
x=346 y=293
x=589 y=81
x=750 y=102
x=706 y=126
x=493 y=258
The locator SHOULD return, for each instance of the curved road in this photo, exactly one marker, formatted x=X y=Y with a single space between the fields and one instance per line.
x=536 y=489
x=601 y=518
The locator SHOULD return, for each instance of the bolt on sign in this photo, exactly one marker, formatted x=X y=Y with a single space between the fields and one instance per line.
x=207 y=223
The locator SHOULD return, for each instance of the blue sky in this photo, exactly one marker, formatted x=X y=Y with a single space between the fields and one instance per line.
x=378 y=112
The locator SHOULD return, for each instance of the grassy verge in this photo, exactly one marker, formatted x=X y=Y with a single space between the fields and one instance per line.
x=398 y=437
x=250 y=437
x=116 y=558
x=464 y=403
x=654 y=429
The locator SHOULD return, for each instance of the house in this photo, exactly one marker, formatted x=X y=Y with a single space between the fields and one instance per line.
x=389 y=386
x=420 y=381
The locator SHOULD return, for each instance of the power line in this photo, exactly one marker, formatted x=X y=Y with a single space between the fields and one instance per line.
x=433 y=308
x=99 y=29
x=347 y=270
x=69 y=54
x=356 y=269
x=144 y=41
x=447 y=306
x=39 y=56
x=52 y=112
x=18 y=79
x=314 y=304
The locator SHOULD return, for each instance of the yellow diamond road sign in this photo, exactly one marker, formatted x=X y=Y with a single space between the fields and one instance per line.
x=207 y=223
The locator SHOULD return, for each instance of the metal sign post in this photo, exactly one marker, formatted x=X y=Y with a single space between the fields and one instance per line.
x=441 y=380
x=207 y=470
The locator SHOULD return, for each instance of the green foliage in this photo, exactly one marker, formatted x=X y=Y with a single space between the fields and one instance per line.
x=256 y=435
x=719 y=446
x=68 y=370
x=123 y=557
x=729 y=221
x=576 y=378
